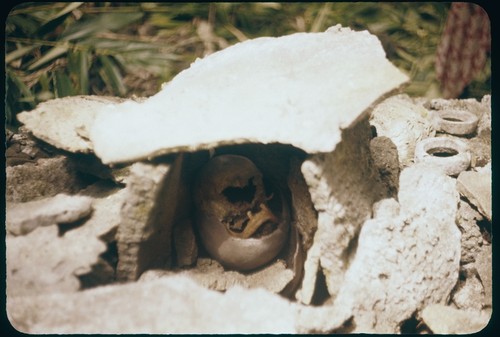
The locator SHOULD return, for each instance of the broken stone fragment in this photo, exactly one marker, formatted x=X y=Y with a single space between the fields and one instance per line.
x=407 y=257
x=326 y=82
x=442 y=319
x=65 y=122
x=107 y=203
x=22 y=218
x=45 y=262
x=469 y=292
x=150 y=209
x=343 y=185
x=404 y=122
x=472 y=238
x=210 y=274
x=476 y=187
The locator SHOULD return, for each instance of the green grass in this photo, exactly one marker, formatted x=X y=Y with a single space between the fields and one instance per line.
x=123 y=49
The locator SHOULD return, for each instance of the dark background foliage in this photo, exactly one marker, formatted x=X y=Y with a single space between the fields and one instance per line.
x=122 y=49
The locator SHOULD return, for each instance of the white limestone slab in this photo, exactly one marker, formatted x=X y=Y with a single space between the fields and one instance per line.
x=300 y=89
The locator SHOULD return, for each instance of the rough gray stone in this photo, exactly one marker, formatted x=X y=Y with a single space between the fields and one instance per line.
x=445 y=320
x=476 y=187
x=45 y=178
x=210 y=274
x=148 y=215
x=385 y=158
x=168 y=305
x=22 y=218
x=404 y=122
x=471 y=234
x=343 y=185
x=404 y=260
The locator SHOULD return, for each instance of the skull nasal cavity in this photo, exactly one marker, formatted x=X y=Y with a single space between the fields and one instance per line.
x=240 y=194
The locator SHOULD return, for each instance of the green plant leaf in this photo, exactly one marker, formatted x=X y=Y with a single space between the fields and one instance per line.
x=66 y=10
x=78 y=69
x=51 y=55
x=63 y=85
x=110 y=74
x=99 y=23
x=18 y=53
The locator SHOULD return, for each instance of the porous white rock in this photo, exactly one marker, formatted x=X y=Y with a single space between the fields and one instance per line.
x=343 y=185
x=299 y=89
x=407 y=256
x=45 y=262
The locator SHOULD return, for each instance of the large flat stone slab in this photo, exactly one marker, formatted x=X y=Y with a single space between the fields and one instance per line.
x=168 y=305
x=300 y=89
x=65 y=122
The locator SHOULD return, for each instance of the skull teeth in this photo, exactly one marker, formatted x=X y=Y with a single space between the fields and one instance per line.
x=254 y=222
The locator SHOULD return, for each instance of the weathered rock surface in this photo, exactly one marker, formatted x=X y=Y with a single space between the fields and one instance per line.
x=469 y=292
x=107 y=203
x=45 y=178
x=343 y=185
x=45 y=262
x=472 y=238
x=151 y=208
x=168 y=305
x=476 y=187
x=484 y=269
x=407 y=256
x=404 y=122
x=236 y=99
x=443 y=319
x=65 y=122
x=386 y=160
x=22 y=218
x=210 y=274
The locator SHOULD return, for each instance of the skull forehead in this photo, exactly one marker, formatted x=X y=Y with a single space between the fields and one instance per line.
x=229 y=171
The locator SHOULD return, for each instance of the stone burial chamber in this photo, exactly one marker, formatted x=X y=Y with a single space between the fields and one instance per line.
x=249 y=195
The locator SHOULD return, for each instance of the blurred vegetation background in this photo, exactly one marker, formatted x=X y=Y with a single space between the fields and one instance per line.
x=123 y=49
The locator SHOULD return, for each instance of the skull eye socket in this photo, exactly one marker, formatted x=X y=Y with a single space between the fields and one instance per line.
x=240 y=194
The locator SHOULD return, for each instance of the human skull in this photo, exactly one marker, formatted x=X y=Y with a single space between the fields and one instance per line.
x=239 y=225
